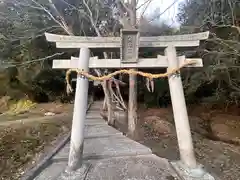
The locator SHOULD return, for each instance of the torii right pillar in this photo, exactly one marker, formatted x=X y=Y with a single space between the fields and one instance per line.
x=187 y=167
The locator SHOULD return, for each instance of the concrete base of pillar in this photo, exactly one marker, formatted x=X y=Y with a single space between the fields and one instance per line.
x=186 y=173
x=75 y=175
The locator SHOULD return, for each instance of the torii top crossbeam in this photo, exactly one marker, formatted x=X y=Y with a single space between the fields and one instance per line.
x=186 y=40
x=129 y=42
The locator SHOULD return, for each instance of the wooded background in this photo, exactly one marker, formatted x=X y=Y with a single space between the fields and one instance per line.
x=26 y=57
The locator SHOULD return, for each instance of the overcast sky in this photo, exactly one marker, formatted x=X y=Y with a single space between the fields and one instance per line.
x=160 y=6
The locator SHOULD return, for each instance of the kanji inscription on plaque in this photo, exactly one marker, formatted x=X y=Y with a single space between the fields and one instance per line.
x=129 y=46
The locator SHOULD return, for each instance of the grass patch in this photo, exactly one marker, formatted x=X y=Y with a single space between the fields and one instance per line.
x=19 y=145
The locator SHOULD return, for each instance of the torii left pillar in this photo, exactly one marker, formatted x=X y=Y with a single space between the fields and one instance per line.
x=79 y=113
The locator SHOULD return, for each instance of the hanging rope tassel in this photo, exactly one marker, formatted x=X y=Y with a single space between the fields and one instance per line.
x=69 y=89
x=152 y=85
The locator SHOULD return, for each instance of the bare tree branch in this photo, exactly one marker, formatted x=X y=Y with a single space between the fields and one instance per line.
x=41 y=7
x=63 y=22
x=7 y=65
x=164 y=11
x=147 y=1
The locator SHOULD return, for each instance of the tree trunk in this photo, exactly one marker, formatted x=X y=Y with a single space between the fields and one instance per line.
x=107 y=99
x=109 y=103
x=132 y=105
x=104 y=103
x=132 y=102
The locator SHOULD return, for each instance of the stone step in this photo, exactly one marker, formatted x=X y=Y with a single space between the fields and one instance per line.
x=94 y=116
x=94 y=121
x=97 y=106
x=97 y=130
x=105 y=147
x=95 y=110
x=146 y=167
x=94 y=113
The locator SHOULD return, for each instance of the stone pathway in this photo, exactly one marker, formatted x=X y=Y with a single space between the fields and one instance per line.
x=108 y=155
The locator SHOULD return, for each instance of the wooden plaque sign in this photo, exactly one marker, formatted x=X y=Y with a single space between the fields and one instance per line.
x=129 y=45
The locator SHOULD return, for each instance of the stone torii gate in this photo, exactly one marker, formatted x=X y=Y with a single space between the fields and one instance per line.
x=129 y=43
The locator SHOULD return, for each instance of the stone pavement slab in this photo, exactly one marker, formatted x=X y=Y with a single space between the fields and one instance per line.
x=105 y=147
x=148 y=167
x=144 y=167
x=96 y=107
x=141 y=167
x=93 y=111
x=95 y=121
x=52 y=171
x=98 y=130
x=94 y=116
